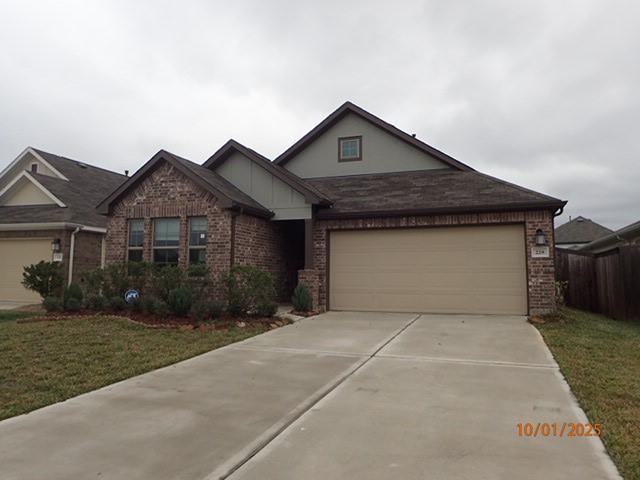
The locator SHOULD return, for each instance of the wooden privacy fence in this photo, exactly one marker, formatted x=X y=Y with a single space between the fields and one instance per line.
x=607 y=283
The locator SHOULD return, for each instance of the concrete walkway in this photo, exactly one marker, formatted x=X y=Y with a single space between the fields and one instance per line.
x=343 y=395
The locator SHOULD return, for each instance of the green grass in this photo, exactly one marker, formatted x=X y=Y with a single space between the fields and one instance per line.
x=600 y=359
x=7 y=315
x=46 y=362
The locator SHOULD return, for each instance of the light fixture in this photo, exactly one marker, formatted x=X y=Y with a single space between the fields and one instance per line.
x=541 y=238
x=55 y=245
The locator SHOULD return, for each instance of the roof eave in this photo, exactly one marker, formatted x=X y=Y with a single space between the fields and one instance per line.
x=506 y=207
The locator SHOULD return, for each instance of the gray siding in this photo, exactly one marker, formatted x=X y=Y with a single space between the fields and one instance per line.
x=269 y=191
x=381 y=153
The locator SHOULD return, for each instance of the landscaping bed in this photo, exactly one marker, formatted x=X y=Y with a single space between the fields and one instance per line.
x=58 y=357
x=600 y=358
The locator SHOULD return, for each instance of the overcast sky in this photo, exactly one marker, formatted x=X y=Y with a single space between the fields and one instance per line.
x=540 y=93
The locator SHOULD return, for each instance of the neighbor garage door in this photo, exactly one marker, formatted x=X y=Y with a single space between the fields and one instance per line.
x=14 y=255
x=438 y=270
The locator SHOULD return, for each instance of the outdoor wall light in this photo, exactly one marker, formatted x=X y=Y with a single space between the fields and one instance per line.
x=55 y=245
x=541 y=238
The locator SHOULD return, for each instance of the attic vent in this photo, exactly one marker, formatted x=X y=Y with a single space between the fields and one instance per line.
x=580 y=219
x=81 y=165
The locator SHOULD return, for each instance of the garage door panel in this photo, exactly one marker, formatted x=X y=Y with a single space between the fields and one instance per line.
x=448 y=270
x=15 y=254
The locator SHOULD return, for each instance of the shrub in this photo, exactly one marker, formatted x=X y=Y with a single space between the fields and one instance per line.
x=52 y=304
x=161 y=309
x=93 y=282
x=148 y=304
x=267 y=309
x=117 y=303
x=165 y=279
x=73 y=292
x=247 y=287
x=116 y=280
x=97 y=303
x=45 y=278
x=215 y=309
x=72 y=304
x=180 y=300
x=302 y=301
x=200 y=311
x=561 y=293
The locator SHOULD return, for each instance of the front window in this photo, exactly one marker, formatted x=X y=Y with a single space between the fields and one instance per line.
x=197 y=240
x=349 y=149
x=166 y=241
x=136 y=240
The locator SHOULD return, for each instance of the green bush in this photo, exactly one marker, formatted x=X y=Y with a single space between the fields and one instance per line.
x=45 y=278
x=267 y=309
x=215 y=309
x=180 y=300
x=247 y=287
x=200 y=311
x=161 y=309
x=72 y=304
x=52 y=304
x=97 y=303
x=302 y=301
x=93 y=282
x=73 y=292
x=165 y=279
x=116 y=280
x=117 y=303
x=148 y=304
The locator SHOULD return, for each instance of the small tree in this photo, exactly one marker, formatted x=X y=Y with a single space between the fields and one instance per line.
x=43 y=277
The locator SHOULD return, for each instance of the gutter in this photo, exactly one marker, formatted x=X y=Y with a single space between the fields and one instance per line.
x=49 y=226
x=72 y=248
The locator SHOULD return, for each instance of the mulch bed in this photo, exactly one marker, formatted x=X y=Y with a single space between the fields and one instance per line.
x=303 y=314
x=149 y=320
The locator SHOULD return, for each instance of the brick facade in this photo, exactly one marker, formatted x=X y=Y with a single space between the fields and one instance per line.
x=540 y=271
x=232 y=238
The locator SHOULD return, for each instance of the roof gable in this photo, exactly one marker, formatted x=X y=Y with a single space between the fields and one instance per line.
x=227 y=194
x=24 y=190
x=227 y=151
x=349 y=108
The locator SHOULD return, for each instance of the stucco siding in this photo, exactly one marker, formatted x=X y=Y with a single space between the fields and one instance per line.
x=381 y=153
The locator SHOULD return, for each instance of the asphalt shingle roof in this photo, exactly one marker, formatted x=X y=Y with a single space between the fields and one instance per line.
x=87 y=186
x=443 y=190
x=580 y=230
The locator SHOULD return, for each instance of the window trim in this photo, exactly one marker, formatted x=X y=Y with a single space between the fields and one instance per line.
x=196 y=247
x=129 y=247
x=155 y=247
x=350 y=159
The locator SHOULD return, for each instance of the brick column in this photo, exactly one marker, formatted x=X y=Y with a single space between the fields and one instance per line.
x=311 y=279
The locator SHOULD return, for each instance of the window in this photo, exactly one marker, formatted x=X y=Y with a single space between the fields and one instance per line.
x=34 y=168
x=136 y=240
x=349 y=149
x=197 y=240
x=166 y=241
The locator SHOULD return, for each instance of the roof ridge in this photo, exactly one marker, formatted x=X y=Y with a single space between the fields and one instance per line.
x=67 y=159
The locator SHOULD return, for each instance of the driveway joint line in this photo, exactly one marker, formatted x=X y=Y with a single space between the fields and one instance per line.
x=307 y=351
x=463 y=361
x=332 y=386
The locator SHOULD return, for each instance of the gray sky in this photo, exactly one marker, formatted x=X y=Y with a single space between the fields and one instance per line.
x=540 y=93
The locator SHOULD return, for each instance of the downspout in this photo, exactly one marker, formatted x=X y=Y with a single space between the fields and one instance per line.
x=103 y=250
x=72 y=247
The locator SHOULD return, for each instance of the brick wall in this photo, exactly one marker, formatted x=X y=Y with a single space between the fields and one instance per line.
x=540 y=271
x=88 y=254
x=168 y=193
x=263 y=243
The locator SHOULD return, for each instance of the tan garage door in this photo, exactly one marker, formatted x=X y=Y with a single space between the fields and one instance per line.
x=438 y=270
x=14 y=255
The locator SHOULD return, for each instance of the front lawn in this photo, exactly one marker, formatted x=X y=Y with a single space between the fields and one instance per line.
x=600 y=359
x=45 y=362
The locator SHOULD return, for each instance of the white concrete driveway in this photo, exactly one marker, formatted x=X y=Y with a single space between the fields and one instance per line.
x=343 y=395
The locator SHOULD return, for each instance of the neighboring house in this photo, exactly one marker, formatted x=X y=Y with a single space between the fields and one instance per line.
x=578 y=232
x=365 y=215
x=47 y=212
x=629 y=235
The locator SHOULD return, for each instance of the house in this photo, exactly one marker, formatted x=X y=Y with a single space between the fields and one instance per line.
x=629 y=235
x=364 y=214
x=47 y=212
x=579 y=231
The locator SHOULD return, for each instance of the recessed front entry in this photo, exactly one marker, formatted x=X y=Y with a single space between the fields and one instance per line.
x=480 y=269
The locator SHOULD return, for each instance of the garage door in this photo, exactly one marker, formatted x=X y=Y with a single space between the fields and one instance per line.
x=14 y=255
x=438 y=270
